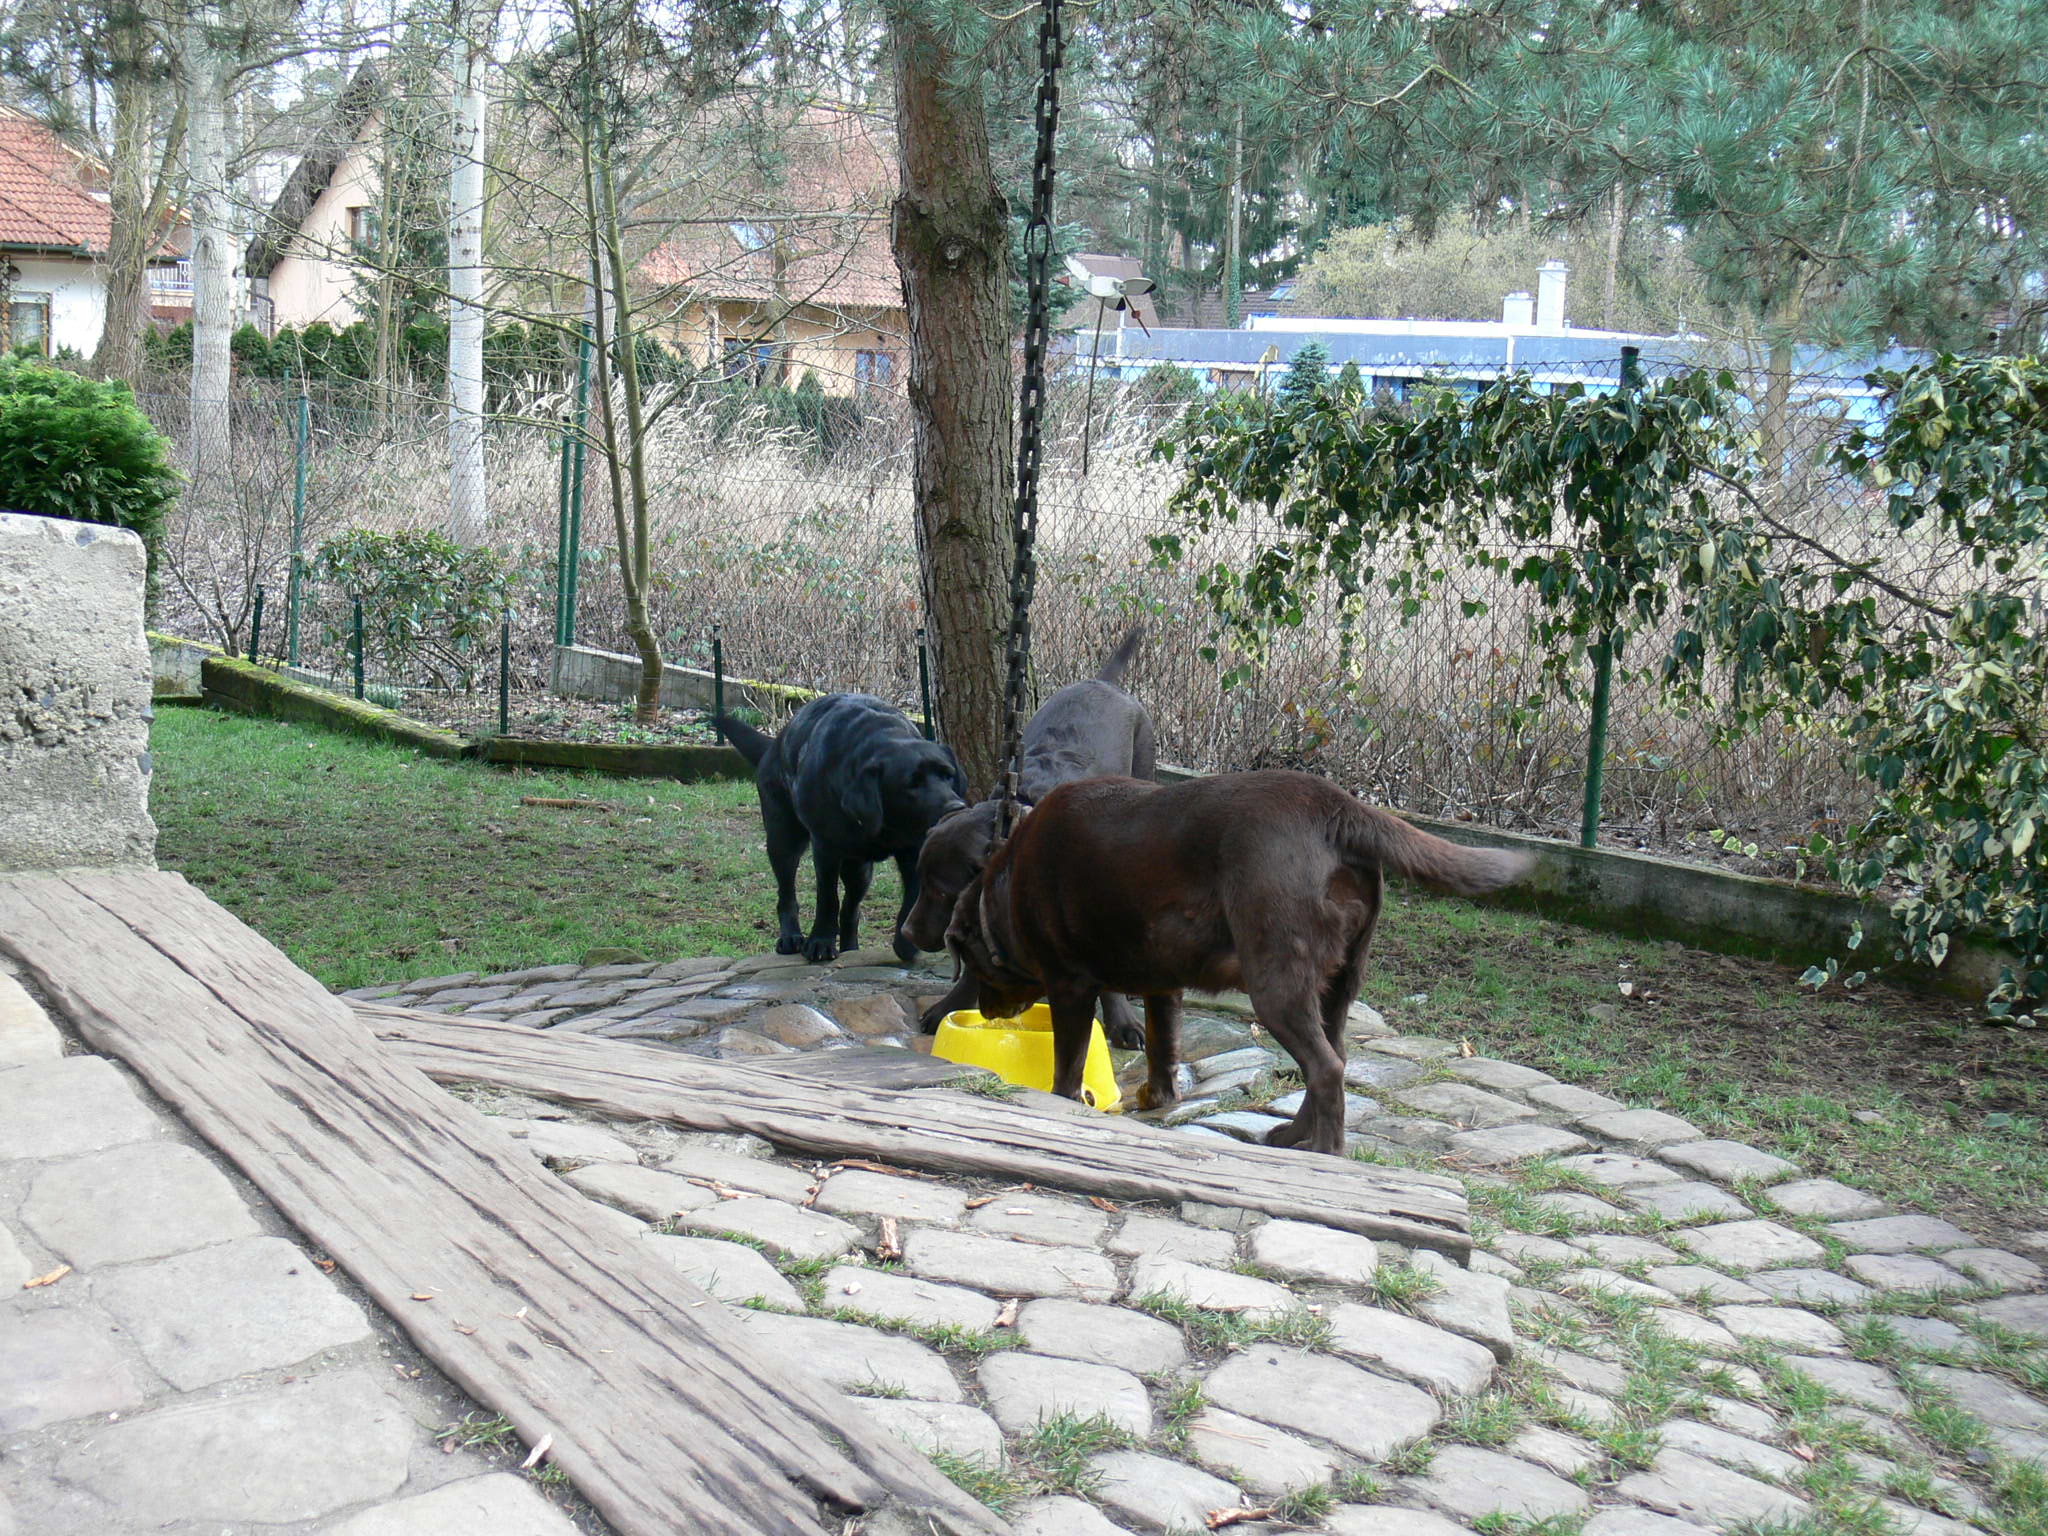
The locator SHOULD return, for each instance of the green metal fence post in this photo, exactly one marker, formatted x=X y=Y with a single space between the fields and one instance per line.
x=1603 y=668
x=295 y=589
x=572 y=554
x=505 y=677
x=256 y=627
x=358 y=605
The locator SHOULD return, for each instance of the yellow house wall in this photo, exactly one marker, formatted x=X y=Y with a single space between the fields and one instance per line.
x=313 y=279
x=824 y=342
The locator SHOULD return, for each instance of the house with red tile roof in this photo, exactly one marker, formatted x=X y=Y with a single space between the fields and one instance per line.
x=54 y=230
x=792 y=272
x=301 y=260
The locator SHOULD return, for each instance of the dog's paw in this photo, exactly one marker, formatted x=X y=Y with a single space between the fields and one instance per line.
x=818 y=949
x=1149 y=1097
x=789 y=944
x=929 y=1021
x=906 y=951
x=1126 y=1037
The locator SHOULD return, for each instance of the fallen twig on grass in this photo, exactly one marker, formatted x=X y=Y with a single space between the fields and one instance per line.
x=551 y=803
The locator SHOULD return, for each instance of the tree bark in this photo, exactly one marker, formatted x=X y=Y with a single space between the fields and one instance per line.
x=950 y=230
x=1617 y=227
x=468 y=504
x=137 y=201
x=213 y=265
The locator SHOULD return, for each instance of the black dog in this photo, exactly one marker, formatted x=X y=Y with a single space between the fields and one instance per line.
x=850 y=776
x=1084 y=731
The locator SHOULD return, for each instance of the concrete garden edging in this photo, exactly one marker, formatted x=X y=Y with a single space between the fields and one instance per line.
x=257 y=690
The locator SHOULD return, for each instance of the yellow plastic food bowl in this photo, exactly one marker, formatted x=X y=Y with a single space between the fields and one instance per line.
x=1019 y=1051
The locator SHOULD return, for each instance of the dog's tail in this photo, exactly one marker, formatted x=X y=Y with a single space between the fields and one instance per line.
x=1120 y=658
x=1372 y=836
x=753 y=744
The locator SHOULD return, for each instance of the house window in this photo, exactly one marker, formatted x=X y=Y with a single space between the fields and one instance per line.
x=753 y=362
x=874 y=369
x=28 y=323
x=752 y=237
x=362 y=226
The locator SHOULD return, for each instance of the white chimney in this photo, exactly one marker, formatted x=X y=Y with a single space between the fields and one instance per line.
x=1518 y=312
x=1550 y=295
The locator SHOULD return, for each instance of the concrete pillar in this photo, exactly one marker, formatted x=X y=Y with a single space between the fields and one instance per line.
x=74 y=697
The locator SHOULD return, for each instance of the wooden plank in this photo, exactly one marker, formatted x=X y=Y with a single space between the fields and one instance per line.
x=868 y=1066
x=950 y=1132
x=659 y=1408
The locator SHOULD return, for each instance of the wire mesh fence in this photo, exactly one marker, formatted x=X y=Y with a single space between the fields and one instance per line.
x=799 y=545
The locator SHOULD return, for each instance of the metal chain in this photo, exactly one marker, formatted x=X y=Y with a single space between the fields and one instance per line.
x=1052 y=46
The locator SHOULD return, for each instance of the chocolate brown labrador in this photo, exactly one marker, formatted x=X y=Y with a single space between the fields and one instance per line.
x=1084 y=731
x=1268 y=881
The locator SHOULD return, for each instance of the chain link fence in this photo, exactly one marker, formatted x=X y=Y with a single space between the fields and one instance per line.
x=799 y=544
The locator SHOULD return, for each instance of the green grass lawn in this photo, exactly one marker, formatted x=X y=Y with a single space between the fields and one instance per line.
x=370 y=864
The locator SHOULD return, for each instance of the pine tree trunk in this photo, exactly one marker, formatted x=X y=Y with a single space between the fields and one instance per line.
x=1617 y=227
x=951 y=235
x=213 y=266
x=468 y=506
x=133 y=213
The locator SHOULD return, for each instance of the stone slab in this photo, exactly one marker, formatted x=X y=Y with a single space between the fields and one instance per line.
x=1696 y=1282
x=2022 y=1314
x=254 y=1304
x=1731 y=1450
x=1825 y=1198
x=1642 y=1129
x=219 y=1460
x=1042 y=1218
x=1906 y=1272
x=782 y=1229
x=1786 y=1327
x=59 y=1365
x=1809 y=1285
x=1502 y=1076
x=755 y=1175
x=69 y=1107
x=1163 y=1237
x=139 y=1201
x=906 y=1299
x=1300 y=1250
x=1024 y=1390
x=1471 y=1304
x=570 y=1141
x=1870 y=1386
x=853 y=1358
x=498 y=1504
x=1618 y=1170
x=1751 y=1245
x=1470 y=1482
x=1996 y=1268
x=857 y=1192
x=1007 y=1268
x=1728 y=1161
x=75 y=759
x=1692 y=1488
x=26 y=1033
x=1513 y=1144
x=1152 y=1493
x=1464 y=1105
x=1900 y=1234
x=1218 y=1290
x=1061 y=1515
x=1427 y=1355
x=953 y=1428
x=1101 y=1335
x=15 y=1269
x=647 y=1193
x=1574 y=1103
x=1690 y=1200
x=1324 y=1399
x=730 y=1271
x=1389 y=1520
x=1619 y=1248
x=1256 y=1456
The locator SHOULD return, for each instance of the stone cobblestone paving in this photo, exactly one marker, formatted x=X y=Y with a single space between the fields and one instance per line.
x=1661 y=1332
x=175 y=1360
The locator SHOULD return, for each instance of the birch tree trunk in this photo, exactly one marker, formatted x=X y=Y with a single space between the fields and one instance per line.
x=468 y=505
x=950 y=230
x=213 y=262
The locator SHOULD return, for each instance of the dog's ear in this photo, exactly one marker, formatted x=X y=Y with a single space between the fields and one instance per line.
x=863 y=802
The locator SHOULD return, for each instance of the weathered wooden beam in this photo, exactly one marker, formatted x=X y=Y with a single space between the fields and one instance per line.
x=934 y=1129
x=658 y=1407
